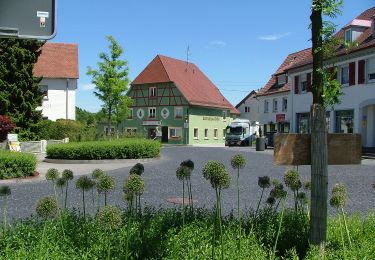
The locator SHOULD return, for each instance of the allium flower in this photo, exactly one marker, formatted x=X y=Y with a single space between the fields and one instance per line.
x=302 y=198
x=238 y=161
x=52 y=174
x=183 y=173
x=264 y=182
x=271 y=201
x=106 y=183
x=61 y=182
x=97 y=173
x=275 y=182
x=137 y=169
x=109 y=218
x=67 y=174
x=47 y=207
x=188 y=163
x=339 y=196
x=278 y=192
x=291 y=179
x=84 y=183
x=5 y=191
x=307 y=185
x=216 y=173
x=211 y=167
x=134 y=184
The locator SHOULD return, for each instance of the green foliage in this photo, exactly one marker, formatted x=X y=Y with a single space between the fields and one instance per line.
x=109 y=218
x=339 y=196
x=97 y=173
x=52 y=174
x=134 y=184
x=67 y=174
x=238 y=161
x=6 y=126
x=15 y=165
x=216 y=174
x=188 y=163
x=137 y=169
x=20 y=94
x=99 y=150
x=264 y=182
x=183 y=173
x=86 y=118
x=84 y=183
x=61 y=182
x=47 y=207
x=111 y=82
x=292 y=181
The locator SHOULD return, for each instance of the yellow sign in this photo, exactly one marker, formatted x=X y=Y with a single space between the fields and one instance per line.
x=14 y=146
x=211 y=118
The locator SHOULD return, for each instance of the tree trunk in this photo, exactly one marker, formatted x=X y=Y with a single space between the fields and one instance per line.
x=319 y=154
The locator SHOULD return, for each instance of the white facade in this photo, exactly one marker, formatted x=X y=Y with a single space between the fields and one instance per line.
x=60 y=99
x=355 y=113
x=249 y=108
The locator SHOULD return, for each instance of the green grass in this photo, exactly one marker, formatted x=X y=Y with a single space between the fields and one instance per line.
x=15 y=165
x=99 y=150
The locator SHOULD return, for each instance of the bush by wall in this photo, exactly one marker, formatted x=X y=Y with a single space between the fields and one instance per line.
x=6 y=126
x=99 y=150
x=14 y=165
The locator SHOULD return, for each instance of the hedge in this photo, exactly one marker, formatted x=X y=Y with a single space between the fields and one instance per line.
x=100 y=150
x=14 y=165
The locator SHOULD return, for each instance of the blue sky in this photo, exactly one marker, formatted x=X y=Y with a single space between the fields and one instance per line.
x=237 y=44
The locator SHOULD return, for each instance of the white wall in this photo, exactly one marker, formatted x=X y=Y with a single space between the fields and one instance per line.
x=55 y=106
x=254 y=109
x=265 y=118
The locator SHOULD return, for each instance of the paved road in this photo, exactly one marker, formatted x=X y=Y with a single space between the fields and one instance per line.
x=161 y=182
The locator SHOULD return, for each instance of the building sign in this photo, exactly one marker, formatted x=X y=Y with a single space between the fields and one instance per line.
x=151 y=122
x=280 y=118
x=12 y=137
x=211 y=118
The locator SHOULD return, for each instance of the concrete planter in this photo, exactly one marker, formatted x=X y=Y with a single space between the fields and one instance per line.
x=294 y=149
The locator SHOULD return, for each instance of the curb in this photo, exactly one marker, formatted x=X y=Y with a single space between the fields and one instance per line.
x=62 y=161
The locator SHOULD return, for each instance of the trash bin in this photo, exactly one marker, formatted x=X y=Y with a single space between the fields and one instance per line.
x=260 y=144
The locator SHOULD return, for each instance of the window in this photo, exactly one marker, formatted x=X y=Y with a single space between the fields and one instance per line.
x=281 y=80
x=151 y=112
x=130 y=131
x=215 y=133
x=344 y=75
x=152 y=92
x=224 y=115
x=178 y=112
x=303 y=83
x=247 y=109
x=224 y=133
x=206 y=133
x=196 y=133
x=371 y=69
x=266 y=106
x=303 y=123
x=44 y=90
x=275 y=105
x=328 y=121
x=112 y=132
x=175 y=132
x=348 y=35
x=344 y=121
x=130 y=113
x=285 y=104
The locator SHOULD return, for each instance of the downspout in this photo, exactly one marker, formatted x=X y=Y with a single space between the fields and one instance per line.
x=67 y=99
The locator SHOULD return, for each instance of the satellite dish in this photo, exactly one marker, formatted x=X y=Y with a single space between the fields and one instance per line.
x=28 y=19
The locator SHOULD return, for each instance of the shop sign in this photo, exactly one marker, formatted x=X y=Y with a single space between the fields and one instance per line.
x=154 y=122
x=280 y=118
x=211 y=118
x=12 y=137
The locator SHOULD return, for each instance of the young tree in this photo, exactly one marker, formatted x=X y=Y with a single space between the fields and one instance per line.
x=323 y=94
x=20 y=94
x=111 y=83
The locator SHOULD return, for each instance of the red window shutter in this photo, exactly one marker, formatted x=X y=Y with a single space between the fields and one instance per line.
x=351 y=73
x=361 y=71
x=308 y=77
x=296 y=82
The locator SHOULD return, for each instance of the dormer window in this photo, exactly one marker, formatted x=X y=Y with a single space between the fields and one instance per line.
x=348 y=35
x=281 y=80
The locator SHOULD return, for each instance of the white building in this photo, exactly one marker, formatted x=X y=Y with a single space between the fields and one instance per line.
x=355 y=70
x=58 y=65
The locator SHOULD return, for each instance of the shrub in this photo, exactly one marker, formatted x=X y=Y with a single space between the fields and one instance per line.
x=15 y=165
x=6 y=126
x=99 y=150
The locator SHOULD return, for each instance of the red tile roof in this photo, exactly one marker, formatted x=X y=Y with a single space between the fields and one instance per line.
x=58 y=60
x=188 y=78
x=271 y=87
x=365 y=40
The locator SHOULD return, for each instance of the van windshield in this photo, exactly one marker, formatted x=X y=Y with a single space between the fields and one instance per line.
x=237 y=130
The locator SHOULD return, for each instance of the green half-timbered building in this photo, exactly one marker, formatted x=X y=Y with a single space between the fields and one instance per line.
x=175 y=102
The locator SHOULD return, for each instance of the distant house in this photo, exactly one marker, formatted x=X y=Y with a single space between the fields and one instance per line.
x=58 y=65
x=174 y=100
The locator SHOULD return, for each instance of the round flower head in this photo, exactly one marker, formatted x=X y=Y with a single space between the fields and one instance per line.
x=307 y=185
x=5 y=191
x=271 y=201
x=67 y=174
x=188 y=163
x=278 y=192
x=183 y=173
x=128 y=196
x=84 y=183
x=105 y=183
x=219 y=178
x=46 y=207
x=52 y=174
x=275 y=182
x=97 y=173
x=109 y=218
x=339 y=196
x=134 y=184
x=61 y=182
x=238 y=161
x=301 y=197
x=291 y=179
x=137 y=169
x=212 y=167
x=264 y=182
